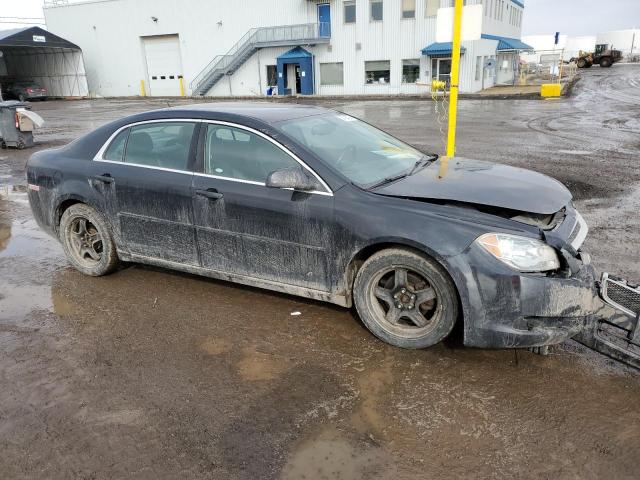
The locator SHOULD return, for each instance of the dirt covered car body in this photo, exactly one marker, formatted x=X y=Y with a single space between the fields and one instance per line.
x=312 y=202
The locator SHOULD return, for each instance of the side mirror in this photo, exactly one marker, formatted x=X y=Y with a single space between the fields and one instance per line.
x=294 y=178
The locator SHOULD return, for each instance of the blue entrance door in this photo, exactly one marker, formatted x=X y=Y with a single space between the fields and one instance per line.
x=324 y=19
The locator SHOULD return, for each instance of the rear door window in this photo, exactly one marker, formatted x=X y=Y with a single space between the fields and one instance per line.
x=115 y=152
x=161 y=144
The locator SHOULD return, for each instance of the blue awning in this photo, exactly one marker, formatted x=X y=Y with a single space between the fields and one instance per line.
x=297 y=52
x=506 y=43
x=440 y=49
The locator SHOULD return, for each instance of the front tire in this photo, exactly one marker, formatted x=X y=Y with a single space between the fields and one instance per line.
x=87 y=241
x=406 y=299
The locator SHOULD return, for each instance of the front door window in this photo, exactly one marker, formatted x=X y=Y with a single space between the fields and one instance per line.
x=242 y=155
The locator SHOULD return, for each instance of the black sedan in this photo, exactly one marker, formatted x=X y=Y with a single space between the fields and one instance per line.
x=25 y=90
x=317 y=203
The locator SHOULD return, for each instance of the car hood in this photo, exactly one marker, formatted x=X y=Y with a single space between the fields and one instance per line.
x=482 y=183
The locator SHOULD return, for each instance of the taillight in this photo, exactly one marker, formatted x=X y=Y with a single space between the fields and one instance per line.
x=17 y=121
x=29 y=90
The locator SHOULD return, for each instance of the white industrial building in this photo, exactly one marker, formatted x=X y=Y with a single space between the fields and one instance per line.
x=321 y=47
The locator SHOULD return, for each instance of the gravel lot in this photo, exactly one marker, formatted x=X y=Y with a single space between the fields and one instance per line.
x=149 y=373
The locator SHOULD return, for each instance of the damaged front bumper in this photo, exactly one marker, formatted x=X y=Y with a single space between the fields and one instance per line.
x=504 y=308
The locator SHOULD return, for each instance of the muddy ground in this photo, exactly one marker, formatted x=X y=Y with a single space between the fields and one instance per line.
x=152 y=374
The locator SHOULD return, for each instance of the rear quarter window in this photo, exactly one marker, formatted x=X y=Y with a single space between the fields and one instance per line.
x=115 y=151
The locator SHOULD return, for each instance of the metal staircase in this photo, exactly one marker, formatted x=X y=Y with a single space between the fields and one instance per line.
x=252 y=41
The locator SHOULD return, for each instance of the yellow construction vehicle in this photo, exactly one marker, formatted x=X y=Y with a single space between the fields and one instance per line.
x=603 y=56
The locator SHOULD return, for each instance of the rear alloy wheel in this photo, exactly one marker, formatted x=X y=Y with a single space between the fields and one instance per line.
x=87 y=241
x=406 y=299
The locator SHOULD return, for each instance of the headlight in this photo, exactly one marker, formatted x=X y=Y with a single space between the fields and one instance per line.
x=522 y=253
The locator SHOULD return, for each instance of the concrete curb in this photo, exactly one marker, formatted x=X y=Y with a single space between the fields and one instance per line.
x=567 y=91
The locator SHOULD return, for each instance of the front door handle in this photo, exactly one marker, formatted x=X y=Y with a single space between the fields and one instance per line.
x=105 y=178
x=211 y=194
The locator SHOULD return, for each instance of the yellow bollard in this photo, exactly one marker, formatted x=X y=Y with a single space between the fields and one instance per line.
x=181 y=86
x=551 y=90
x=455 y=78
x=143 y=93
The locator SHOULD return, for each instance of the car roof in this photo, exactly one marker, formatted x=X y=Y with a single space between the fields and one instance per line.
x=265 y=111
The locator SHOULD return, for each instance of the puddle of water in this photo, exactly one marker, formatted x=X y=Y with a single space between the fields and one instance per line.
x=117 y=417
x=372 y=385
x=5 y=236
x=25 y=239
x=215 y=346
x=255 y=366
x=18 y=301
x=62 y=305
x=575 y=152
x=21 y=238
x=329 y=456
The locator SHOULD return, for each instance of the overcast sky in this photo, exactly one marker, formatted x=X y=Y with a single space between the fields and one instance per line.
x=579 y=17
x=570 y=17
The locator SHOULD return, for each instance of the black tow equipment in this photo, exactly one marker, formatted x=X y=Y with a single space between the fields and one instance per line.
x=616 y=331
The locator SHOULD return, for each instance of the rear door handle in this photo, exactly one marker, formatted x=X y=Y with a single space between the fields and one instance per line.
x=106 y=178
x=211 y=194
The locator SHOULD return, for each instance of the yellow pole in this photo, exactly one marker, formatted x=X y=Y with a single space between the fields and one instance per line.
x=181 y=87
x=143 y=93
x=455 y=78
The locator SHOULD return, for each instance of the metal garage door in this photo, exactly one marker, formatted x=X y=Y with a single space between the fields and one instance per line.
x=164 y=65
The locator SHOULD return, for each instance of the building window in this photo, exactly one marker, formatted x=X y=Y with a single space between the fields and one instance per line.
x=349 y=12
x=377 y=71
x=410 y=71
x=431 y=8
x=376 y=10
x=272 y=75
x=331 y=74
x=478 y=68
x=408 y=8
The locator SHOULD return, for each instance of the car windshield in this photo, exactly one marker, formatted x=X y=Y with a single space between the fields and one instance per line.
x=360 y=152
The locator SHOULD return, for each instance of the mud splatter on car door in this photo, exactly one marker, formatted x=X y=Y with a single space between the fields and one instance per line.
x=246 y=228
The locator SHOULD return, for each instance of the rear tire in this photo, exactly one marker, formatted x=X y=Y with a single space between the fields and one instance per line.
x=605 y=62
x=405 y=299
x=21 y=97
x=87 y=241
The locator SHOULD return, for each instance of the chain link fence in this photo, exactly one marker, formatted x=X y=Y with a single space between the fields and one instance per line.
x=544 y=66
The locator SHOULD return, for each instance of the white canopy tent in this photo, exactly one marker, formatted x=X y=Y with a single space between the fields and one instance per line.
x=34 y=54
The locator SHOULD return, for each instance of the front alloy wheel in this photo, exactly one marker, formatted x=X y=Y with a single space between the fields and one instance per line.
x=406 y=299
